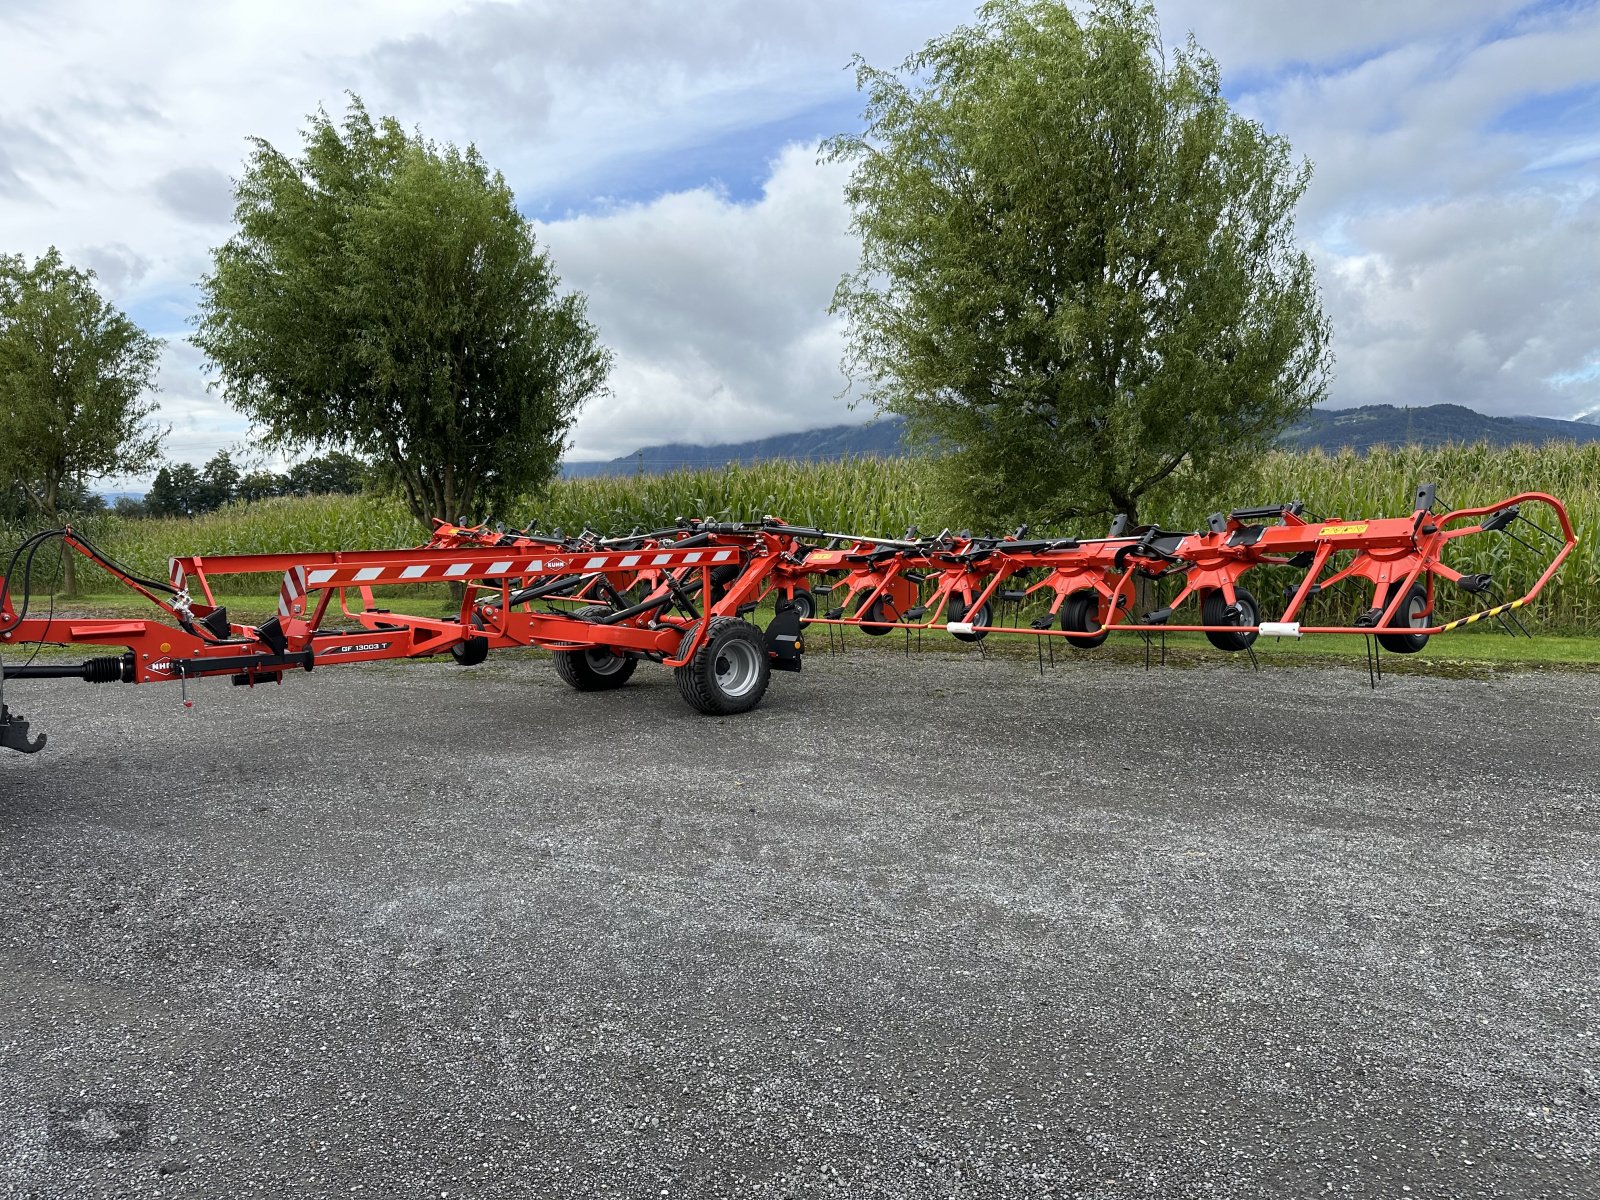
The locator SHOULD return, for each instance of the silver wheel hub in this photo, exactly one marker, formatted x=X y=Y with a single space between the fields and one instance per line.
x=603 y=662
x=738 y=668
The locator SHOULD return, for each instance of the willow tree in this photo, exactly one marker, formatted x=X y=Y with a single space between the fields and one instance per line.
x=1078 y=274
x=383 y=294
x=75 y=382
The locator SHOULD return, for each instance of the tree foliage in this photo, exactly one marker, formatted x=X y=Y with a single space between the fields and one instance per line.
x=1078 y=272
x=383 y=294
x=183 y=490
x=74 y=375
x=176 y=491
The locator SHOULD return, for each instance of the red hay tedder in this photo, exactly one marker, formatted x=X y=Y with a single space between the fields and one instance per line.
x=681 y=596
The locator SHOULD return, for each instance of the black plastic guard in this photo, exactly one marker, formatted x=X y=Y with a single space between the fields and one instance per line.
x=785 y=643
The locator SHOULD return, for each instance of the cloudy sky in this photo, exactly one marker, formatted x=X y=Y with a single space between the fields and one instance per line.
x=667 y=151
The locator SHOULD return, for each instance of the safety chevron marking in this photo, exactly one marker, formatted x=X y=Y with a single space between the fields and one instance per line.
x=1478 y=616
x=292 y=595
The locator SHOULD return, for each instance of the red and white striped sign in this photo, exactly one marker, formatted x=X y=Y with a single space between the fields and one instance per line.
x=292 y=595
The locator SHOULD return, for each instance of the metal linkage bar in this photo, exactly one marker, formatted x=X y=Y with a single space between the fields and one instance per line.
x=680 y=596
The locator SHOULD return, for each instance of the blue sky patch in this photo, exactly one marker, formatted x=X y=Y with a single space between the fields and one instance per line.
x=737 y=163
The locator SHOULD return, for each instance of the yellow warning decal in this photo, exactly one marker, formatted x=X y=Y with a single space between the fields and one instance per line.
x=1335 y=530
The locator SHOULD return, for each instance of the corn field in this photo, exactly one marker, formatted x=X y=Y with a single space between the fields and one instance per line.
x=884 y=496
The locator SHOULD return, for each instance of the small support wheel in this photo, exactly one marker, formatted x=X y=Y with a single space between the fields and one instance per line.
x=470 y=652
x=598 y=668
x=730 y=671
x=882 y=615
x=1412 y=611
x=956 y=610
x=805 y=604
x=1214 y=611
x=1080 y=613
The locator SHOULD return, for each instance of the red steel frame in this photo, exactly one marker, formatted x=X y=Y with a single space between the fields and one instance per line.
x=731 y=568
x=1390 y=553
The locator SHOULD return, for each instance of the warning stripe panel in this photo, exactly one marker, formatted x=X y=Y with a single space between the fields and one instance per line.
x=1478 y=616
x=292 y=593
x=343 y=575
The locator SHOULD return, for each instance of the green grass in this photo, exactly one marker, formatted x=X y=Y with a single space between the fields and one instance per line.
x=1470 y=651
x=249 y=608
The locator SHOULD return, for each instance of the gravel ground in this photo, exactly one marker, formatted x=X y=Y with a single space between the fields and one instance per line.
x=935 y=927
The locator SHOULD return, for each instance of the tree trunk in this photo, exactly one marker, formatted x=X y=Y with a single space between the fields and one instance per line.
x=50 y=502
x=1145 y=598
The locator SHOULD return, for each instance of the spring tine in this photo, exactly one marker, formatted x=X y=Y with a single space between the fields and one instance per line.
x=1520 y=542
x=1541 y=529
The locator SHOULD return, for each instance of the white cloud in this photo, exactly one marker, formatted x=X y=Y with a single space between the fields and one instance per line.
x=1254 y=34
x=1455 y=246
x=123 y=121
x=717 y=310
x=1486 y=302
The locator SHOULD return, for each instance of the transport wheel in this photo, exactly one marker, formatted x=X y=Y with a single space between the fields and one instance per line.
x=731 y=670
x=1410 y=612
x=597 y=669
x=470 y=652
x=882 y=612
x=1080 y=613
x=1214 y=611
x=956 y=610
x=804 y=603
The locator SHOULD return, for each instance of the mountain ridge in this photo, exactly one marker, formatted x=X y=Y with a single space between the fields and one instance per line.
x=1328 y=429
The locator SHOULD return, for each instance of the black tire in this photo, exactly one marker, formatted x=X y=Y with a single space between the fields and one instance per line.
x=470 y=652
x=1080 y=613
x=804 y=603
x=597 y=669
x=1214 y=611
x=730 y=671
x=1410 y=612
x=956 y=610
x=883 y=613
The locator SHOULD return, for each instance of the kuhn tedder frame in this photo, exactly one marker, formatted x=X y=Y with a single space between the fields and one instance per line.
x=680 y=596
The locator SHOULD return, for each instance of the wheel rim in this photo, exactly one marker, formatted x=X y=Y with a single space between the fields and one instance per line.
x=802 y=605
x=880 y=614
x=1247 y=610
x=1414 y=608
x=603 y=662
x=738 y=669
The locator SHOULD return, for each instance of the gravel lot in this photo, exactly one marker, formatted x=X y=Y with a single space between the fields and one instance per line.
x=925 y=928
